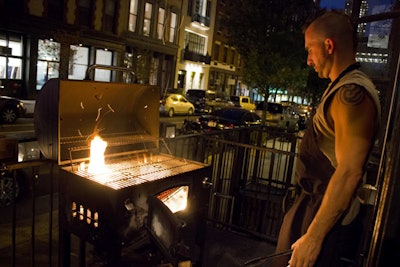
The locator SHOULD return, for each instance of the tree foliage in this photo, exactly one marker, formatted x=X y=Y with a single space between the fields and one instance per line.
x=268 y=35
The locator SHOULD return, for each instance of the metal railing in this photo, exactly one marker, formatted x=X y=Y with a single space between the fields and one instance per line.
x=251 y=171
x=29 y=221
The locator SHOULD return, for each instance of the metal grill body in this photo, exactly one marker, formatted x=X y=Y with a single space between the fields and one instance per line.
x=117 y=206
x=112 y=214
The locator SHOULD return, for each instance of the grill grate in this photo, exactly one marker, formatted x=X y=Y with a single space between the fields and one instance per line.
x=130 y=172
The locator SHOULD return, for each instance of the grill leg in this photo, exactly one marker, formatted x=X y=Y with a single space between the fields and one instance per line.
x=65 y=248
x=115 y=256
x=82 y=253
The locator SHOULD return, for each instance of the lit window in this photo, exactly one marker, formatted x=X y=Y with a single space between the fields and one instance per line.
x=161 y=23
x=195 y=43
x=103 y=57
x=147 y=19
x=172 y=28
x=11 y=57
x=79 y=62
x=133 y=15
x=48 y=61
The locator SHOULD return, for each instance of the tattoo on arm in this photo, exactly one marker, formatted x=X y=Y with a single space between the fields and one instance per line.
x=351 y=94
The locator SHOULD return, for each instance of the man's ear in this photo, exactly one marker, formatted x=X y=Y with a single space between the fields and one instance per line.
x=329 y=45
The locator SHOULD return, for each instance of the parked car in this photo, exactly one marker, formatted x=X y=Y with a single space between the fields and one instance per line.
x=243 y=102
x=304 y=112
x=216 y=100
x=176 y=104
x=11 y=109
x=198 y=98
x=229 y=118
x=279 y=116
x=206 y=101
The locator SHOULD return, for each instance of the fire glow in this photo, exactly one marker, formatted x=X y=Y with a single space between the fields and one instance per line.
x=97 y=163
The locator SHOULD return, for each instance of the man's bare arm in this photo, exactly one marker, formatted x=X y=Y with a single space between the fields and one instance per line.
x=353 y=114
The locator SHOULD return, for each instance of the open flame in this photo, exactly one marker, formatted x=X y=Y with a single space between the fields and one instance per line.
x=97 y=147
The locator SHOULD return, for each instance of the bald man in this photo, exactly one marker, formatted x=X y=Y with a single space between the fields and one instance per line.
x=323 y=225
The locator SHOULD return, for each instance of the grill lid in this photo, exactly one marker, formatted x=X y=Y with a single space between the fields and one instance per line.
x=119 y=113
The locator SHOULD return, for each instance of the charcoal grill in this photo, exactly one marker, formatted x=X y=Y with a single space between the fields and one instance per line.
x=129 y=199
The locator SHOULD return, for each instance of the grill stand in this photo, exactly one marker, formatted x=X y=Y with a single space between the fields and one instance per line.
x=184 y=230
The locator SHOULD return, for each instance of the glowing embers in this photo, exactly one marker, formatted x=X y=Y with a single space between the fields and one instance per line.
x=84 y=214
x=175 y=198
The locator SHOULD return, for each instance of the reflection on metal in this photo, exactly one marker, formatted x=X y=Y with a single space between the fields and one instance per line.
x=367 y=194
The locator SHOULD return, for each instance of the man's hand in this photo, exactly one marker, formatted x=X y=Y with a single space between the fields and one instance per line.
x=305 y=251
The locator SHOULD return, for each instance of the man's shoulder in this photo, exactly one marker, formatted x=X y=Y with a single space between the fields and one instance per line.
x=357 y=77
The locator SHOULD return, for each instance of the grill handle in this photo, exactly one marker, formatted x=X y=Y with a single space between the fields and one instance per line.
x=106 y=67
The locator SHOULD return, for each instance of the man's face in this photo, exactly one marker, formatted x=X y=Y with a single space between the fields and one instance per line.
x=318 y=56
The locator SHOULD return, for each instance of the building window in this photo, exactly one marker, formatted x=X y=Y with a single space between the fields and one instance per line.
x=225 y=55
x=195 y=43
x=197 y=7
x=11 y=56
x=141 y=61
x=79 y=63
x=200 y=10
x=208 y=9
x=232 y=59
x=85 y=12
x=48 y=62
x=172 y=27
x=109 y=15
x=133 y=15
x=55 y=9
x=155 y=64
x=103 y=57
x=181 y=79
x=216 y=52
x=161 y=23
x=147 y=19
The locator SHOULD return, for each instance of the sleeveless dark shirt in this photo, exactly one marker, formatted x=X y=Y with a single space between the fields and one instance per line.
x=313 y=172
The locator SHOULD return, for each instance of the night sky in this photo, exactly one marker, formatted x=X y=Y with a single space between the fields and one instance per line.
x=332 y=4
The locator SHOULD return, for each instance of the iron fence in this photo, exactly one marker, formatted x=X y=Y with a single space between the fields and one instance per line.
x=252 y=170
x=252 y=175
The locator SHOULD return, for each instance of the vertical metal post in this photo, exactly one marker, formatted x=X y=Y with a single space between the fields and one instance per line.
x=14 y=218
x=385 y=228
x=34 y=178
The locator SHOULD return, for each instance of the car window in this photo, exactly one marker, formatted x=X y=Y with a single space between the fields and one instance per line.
x=235 y=98
x=289 y=110
x=245 y=100
x=222 y=96
x=233 y=114
x=218 y=112
x=248 y=117
x=254 y=117
x=210 y=95
x=174 y=98
x=274 y=108
x=196 y=93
